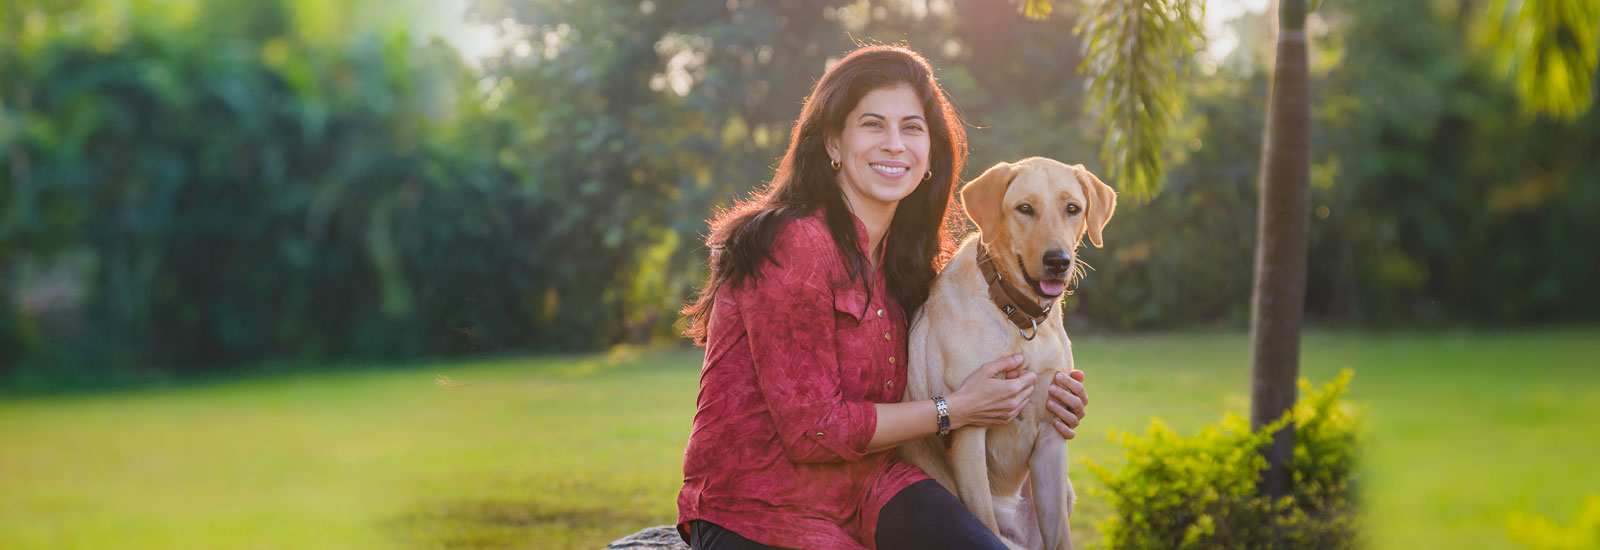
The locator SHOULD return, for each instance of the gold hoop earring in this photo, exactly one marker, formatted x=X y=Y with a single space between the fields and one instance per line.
x=834 y=163
x=927 y=175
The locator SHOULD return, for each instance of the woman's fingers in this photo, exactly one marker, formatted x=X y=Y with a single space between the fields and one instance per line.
x=1063 y=414
x=1009 y=387
x=1064 y=430
x=1022 y=393
x=1013 y=369
x=1072 y=402
x=1063 y=384
x=1015 y=407
x=997 y=366
x=1072 y=384
x=1067 y=401
x=1026 y=380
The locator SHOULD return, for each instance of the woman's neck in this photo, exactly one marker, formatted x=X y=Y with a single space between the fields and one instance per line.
x=877 y=222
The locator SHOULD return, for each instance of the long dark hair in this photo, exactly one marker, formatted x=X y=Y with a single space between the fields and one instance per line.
x=919 y=240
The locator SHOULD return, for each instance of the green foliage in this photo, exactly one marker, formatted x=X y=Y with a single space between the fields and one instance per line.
x=1200 y=491
x=1136 y=61
x=1458 y=200
x=246 y=185
x=1551 y=49
x=1433 y=200
x=1540 y=533
x=189 y=185
x=1037 y=9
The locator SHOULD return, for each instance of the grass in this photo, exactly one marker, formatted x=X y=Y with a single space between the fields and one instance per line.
x=574 y=451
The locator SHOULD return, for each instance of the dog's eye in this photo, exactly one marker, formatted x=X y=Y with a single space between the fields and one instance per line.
x=1073 y=209
x=1025 y=209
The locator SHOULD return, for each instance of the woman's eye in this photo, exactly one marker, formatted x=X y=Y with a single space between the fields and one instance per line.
x=913 y=128
x=1073 y=209
x=872 y=124
x=1025 y=209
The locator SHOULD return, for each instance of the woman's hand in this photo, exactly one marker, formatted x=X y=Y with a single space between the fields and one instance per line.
x=994 y=395
x=1067 y=401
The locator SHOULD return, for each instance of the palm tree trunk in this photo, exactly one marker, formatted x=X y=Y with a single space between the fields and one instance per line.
x=1278 y=299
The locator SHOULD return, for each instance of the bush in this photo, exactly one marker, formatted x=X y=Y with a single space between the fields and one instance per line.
x=1542 y=534
x=1200 y=491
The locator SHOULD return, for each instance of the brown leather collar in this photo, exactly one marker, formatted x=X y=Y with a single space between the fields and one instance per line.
x=1019 y=307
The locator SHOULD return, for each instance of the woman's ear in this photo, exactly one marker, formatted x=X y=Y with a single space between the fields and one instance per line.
x=981 y=199
x=831 y=143
x=1102 y=203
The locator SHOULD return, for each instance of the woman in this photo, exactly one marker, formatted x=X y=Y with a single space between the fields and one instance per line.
x=804 y=322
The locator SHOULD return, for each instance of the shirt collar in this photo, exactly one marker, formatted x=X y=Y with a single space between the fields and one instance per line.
x=861 y=233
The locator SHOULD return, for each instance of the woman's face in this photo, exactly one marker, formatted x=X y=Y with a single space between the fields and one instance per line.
x=883 y=150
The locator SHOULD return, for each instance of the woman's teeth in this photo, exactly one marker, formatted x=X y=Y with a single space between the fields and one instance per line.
x=890 y=169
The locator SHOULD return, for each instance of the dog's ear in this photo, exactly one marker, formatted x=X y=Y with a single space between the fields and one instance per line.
x=1102 y=202
x=981 y=199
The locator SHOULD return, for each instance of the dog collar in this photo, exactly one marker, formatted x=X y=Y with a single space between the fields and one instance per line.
x=1016 y=305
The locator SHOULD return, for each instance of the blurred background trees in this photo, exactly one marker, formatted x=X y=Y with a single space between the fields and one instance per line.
x=187 y=185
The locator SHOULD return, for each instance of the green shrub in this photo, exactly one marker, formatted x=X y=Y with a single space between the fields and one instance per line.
x=1200 y=492
x=1542 y=534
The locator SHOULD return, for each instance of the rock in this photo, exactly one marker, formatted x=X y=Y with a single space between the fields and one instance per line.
x=661 y=537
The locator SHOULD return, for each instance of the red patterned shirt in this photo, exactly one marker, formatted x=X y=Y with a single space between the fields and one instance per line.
x=795 y=360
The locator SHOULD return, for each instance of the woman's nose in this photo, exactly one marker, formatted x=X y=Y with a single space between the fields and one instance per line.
x=892 y=143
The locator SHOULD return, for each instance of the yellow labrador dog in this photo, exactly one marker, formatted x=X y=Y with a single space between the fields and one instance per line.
x=995 y=298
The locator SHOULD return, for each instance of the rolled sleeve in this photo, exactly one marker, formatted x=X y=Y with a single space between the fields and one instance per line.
x=788 y=315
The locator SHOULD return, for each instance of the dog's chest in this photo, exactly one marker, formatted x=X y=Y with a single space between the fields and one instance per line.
x=1044 y=355
x=1050 y=350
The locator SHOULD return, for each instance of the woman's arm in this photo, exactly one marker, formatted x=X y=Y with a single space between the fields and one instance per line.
x=901 y=423
x=788 y=314
x=994 y=395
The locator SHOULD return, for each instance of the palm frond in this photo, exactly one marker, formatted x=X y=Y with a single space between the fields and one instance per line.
x=1136 y=53
x=1550 y=49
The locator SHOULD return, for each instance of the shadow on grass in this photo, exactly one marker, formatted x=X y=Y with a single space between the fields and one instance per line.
x=516 y=524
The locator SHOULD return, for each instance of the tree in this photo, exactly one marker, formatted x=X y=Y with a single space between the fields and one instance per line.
x=1277 y=301
x=1552 y=49
x=1278 y=297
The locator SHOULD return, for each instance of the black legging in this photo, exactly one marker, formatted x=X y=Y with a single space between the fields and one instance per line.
x=922 y=516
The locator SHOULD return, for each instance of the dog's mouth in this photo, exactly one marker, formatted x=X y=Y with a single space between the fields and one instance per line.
x=1048 y=288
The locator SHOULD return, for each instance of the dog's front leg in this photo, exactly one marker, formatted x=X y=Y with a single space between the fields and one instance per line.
x=969 y=459
x=1052 y=492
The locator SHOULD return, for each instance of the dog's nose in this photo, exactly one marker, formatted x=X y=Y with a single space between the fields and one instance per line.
x=1057 y=262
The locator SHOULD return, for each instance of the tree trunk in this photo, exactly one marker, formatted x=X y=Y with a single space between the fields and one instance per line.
x=1277 y=301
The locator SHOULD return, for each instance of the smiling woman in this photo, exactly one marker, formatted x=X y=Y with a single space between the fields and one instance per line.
x=885 y=137
x=805 y=366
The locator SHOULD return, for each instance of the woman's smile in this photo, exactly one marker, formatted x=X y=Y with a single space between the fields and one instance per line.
x=890 y=170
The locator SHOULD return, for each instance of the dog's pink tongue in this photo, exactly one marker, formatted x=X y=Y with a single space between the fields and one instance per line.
x=1052 y=288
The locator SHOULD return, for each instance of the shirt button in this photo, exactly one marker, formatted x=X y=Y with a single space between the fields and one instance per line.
x=886 y=336
x=891 y=359
x=880 y=313
x=819 y=435
x=889 y=383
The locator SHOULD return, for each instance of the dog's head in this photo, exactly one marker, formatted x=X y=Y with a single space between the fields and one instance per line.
x=1033 y=214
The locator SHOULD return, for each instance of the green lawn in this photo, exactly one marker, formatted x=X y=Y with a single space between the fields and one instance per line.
x=571 y=452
